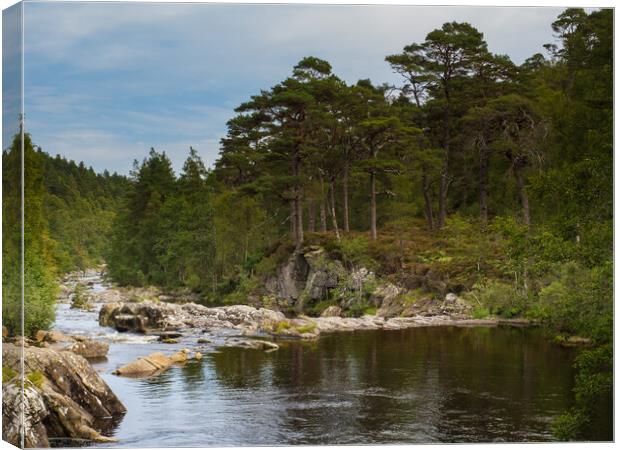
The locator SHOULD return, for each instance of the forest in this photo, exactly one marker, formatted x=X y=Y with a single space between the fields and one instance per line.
x=496 y=175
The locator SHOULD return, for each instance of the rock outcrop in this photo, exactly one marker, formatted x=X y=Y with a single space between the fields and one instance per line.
x=148 y=316
x=66 y=397
x=35 y=412
x=395 y=302
x=307 y=276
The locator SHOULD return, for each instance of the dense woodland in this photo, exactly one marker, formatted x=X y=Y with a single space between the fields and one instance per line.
x=68 y=214
x=498 y=174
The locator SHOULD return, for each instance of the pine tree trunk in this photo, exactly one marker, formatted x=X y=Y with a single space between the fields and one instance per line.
x=373 y=206
x=345 y=195
x=483 y=187
x=525 y=202
x=323 y=212
x=300 y=221
x=311 y=216
x=333 y=210
x=428 y=205
x=293 y=220
x=443 y=193
x=444 y=182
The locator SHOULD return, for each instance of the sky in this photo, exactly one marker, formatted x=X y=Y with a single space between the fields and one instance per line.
x=105 y=82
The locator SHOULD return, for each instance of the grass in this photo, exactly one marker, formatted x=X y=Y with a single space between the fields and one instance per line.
x=370 y=311
x=309 y=328
x=280 y=326
x=36 y=378
x=7 y=374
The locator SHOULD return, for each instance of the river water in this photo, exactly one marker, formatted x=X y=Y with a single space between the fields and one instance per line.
x=435 y=384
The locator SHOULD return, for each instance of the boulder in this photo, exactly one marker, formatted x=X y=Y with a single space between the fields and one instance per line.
x=89 y=348
x=67 y=400
x=255 y=344
x=151 y=364
x=332 y=311
x=34 y=413
x=387 y=298
x=53 y=337
x=148 y=365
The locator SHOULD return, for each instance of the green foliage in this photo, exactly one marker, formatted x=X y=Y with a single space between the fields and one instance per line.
x=480 y=313
x=317 y=308
x=8 y=374
x=247 y=285
x=501 y=299
x=36 y=378
x=579 y=301
x=164 y=234
x=356 y=252
x=521 y=215
x=280 y=327
x=593 y=394
x=39 y=269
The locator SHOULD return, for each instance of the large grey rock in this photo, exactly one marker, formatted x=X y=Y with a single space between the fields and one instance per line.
x=307 y=276
x=388 y=298
x=89 y=348
x=146 y=316
x=69 y=399
x=35 y=412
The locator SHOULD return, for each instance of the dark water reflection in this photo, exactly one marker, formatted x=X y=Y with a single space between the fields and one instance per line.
x=443 y=384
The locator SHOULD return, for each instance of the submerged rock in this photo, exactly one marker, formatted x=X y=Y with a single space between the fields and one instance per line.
x=145 y=366
x=65 y=397
x=153 y=364
x=256 y=344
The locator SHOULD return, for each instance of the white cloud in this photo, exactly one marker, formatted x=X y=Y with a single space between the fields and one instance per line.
x=170 y=75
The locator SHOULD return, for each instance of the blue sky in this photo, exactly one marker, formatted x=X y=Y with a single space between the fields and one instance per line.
x=104 y=82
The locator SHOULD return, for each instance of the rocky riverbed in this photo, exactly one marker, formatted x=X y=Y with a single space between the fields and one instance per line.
x=67 y=398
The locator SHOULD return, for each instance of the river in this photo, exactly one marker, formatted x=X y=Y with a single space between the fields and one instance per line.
x=419 y=385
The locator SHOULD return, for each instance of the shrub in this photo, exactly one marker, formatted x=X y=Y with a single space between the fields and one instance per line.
x=501 y=298
x=580 y=301
x=357 y=253
x=593 y=392
x=81 y=298
x=247 y=286
x=480 y=313
x=318 y=308
x=371 y=311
